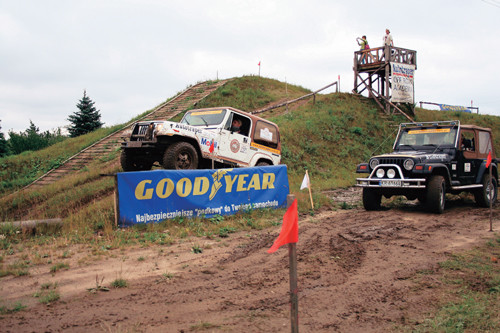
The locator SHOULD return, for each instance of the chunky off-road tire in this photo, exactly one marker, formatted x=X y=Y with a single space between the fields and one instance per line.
x=180 y=156
x=371 y=199
x=263 y=163
x=488 y=191
x=130 y=162
x=436 y=194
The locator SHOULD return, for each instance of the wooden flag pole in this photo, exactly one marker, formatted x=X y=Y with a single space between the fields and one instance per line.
x=310 y=193
x=294 y=298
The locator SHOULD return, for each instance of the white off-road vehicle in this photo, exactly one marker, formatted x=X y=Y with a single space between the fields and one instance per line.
x=204 y=138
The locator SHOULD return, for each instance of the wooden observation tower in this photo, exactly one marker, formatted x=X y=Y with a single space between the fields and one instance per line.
x=387 y=73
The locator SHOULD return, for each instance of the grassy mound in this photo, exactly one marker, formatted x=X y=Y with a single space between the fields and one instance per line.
x=327 y=136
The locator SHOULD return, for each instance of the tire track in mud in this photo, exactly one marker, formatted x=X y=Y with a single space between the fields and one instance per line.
x=358 y=271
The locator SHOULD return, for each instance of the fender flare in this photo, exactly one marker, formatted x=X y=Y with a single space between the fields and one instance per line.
x=260 y=156
x=482 y=170
x=440 y=169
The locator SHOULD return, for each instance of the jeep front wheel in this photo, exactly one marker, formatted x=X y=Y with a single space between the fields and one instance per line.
x=180 y=156
x=130 y=162
x=436 y=194
x=371 y=199
x=487 y=192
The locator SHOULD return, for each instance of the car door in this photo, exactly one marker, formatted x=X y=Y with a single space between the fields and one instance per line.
x=467 y=157
x=234 y=146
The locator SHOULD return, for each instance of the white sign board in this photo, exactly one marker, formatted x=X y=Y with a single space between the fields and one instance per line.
x=402 y=83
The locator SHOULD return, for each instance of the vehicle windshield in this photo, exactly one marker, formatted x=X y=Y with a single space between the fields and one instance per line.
x=433 y=137
x=204 y=117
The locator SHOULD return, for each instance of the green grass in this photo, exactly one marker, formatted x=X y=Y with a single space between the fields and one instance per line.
x=18 y=268
x=204 y=326
x=250 y=93
x=7 y=309
x=48 y=293
x=119 y=283
x=59 y=266
x=20 y=170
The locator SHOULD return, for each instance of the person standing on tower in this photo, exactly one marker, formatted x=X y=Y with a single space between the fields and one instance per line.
x=364 y=48
x=388 y=38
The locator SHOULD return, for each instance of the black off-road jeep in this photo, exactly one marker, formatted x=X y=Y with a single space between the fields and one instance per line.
x=429 y=160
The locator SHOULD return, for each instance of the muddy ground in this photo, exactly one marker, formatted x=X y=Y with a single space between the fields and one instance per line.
x=358 y=271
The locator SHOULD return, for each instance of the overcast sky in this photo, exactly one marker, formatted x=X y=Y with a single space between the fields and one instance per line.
x=131 y=55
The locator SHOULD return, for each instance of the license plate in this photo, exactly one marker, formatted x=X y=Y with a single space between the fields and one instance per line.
x=134 y=144
x=390 y=183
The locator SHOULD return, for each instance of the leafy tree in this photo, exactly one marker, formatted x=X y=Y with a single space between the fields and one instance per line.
x=4 y=149
x=86 y=120
x=32 y=139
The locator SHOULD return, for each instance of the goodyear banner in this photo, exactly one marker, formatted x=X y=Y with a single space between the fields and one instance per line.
x=446 y=107
x=154 y=196
x=402 y=82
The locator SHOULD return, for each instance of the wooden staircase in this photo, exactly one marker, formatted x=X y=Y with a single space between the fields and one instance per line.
x=181 y=102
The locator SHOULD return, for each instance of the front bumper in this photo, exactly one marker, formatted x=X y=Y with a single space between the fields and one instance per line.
x=398 y=181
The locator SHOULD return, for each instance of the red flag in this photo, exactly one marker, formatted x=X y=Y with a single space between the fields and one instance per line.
x=488 y=160
x=211 y=149
x=289 y=230
x=259 y=63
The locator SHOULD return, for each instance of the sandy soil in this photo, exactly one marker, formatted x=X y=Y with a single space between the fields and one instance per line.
x=358 y=271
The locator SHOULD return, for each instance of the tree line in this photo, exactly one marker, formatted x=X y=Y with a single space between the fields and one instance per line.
x=86 y=119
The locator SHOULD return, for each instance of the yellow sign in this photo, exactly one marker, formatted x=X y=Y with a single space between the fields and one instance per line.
x=431 y=130
x=202 y=113
x=184 y=187
x=271 y=150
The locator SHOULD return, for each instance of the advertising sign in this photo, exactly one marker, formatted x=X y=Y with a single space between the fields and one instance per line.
x=402 y=83
x=446 y=107
x=154 y=196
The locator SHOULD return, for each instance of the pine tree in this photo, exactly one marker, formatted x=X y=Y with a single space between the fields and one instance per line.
x=86 y=120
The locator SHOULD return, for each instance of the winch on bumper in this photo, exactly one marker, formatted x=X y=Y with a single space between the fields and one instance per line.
x=388 y=176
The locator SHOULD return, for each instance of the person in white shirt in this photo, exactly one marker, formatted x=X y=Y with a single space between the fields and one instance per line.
x=388 y=38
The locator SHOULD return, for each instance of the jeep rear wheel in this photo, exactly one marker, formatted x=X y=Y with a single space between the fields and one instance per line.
x=180 y=156
x=130 y=162
x=371 y=199
x=487 y=192
x=436 y=194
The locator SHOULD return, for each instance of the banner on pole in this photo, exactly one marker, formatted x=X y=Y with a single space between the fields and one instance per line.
x=154 y=196
x=446 y=107
x=402 y=83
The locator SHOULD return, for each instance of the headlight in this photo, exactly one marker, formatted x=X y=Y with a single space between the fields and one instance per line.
x=391 y=173
x=159 y=127
x=373 y=163
x=408 y=164
x=380 y=173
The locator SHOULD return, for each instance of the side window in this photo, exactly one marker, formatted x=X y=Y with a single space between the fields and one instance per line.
x=238 y=123
x=467 y=142
x=266 y=134
x=484 y=142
